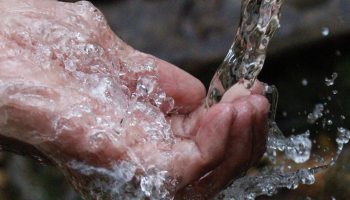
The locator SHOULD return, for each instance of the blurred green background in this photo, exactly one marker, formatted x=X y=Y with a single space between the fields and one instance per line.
x=195 y=35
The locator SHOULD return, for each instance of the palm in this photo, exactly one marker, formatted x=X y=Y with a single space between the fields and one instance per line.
x=77 y=98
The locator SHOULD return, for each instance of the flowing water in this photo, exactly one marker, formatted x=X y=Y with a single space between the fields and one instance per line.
x=113 y=94
x=244 y=61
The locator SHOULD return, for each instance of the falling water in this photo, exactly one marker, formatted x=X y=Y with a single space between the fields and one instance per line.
x=104 y=82
x=245 y=59
x=242 y=64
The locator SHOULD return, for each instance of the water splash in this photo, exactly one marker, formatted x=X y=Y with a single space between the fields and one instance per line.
x=279 y=174
x=95 y=100
x=96 y=67
x=316 y=114
x=259 y=20
x=122 y=181
x=245 y=59
x=248 y=188
x=330 y=81
x=343 y=137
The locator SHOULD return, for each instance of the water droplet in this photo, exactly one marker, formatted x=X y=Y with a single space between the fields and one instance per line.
x=330 y=81
x=338 y=53
x=329 y=122
x=343 y=136
x=304 y=82
x=316 y=114
x=325 y=31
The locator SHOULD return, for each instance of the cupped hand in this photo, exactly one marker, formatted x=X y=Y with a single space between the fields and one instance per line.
x=77 y=93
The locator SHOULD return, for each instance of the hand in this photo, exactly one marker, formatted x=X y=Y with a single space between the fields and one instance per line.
x=102 y=111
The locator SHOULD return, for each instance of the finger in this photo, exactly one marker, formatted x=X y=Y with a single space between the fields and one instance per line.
x=258 y=88
x=237 y=157
x=193 y=161
x=187 y=91
x=187 y=125
x=235 y=92
x=238 y=90
x=260 y=127
x=212 y=136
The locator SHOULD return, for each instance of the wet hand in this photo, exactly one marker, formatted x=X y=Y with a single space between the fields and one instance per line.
x=73 y=90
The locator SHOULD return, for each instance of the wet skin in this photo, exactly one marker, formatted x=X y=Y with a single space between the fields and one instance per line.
x=225 y=139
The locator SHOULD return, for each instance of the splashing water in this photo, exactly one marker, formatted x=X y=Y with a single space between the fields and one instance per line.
x=330 y=81
x=280 y=174
x=316 y=113
x=121 y=182
x=245 y=59
x=107 y=82
x=97 y=101
x=248 y=188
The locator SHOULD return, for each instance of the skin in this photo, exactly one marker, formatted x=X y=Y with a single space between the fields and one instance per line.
x=221 y=142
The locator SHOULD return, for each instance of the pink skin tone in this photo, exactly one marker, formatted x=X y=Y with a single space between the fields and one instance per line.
x=226 y=139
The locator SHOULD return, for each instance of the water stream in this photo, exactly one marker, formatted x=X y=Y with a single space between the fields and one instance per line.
x=135 y=178
x=244 y=61
x=107 y=97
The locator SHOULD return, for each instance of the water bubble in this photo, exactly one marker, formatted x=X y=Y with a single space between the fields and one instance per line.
x=325 y=31
x=330 y=81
